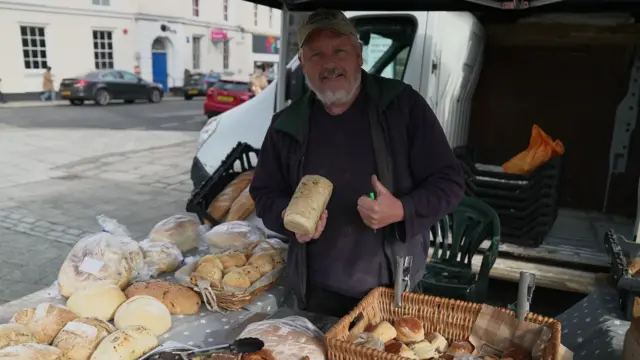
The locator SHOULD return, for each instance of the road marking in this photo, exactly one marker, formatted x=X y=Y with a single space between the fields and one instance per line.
x=169 y=124
x=176 y=113
x=196 y=120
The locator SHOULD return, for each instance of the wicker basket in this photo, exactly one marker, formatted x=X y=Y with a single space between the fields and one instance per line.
x=233 y=302
x=454 y=319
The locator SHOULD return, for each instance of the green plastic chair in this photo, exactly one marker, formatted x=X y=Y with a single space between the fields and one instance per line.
x=456 y=239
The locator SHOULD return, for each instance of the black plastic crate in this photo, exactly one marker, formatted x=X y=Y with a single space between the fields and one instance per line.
x=236 y=162
x=619 y=250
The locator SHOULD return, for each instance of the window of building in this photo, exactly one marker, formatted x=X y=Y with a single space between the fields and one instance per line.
x=103 y=49
x=101 y=2
x=195 y=4
x=255 y=14
x=270 y=18
x=225 y=10
x=225 y=55
x=196 y=51
x=34 y=47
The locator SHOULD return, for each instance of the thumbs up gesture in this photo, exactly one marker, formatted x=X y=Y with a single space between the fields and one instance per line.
x=385 y=209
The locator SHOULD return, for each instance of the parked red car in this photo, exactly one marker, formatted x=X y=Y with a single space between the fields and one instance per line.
x=226 y=94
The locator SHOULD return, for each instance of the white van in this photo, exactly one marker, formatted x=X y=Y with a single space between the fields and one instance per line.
x=489 y=77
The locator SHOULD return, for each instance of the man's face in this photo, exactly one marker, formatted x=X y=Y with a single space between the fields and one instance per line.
x=331 y=63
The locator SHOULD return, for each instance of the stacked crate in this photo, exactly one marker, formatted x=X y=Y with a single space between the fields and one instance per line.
x=526 y=204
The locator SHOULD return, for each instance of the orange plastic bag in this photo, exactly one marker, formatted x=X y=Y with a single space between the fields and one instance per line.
x=541 y=149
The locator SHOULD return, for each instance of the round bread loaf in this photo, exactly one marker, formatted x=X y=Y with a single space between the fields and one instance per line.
x=460 y=348
x=252 y=272
x=212 y=259
x=400 y=349
x=409 y=330
x=15 y=334
x=425 y=350
x=233 y=235
x=45 y=322
x=79 y=338
x=235 y=281
x=160 y=257
x=179 y=230
x=145 y=311
x=129 y=343
x=307 y=204
x=100 y=258
x=207 y=271
x=262 y=261
x=99 y=301
x=438 y=341
x=31 y=352
x=384 y=331
x=179 y=299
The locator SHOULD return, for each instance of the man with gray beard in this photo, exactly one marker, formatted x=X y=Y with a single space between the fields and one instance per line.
x=366 y=134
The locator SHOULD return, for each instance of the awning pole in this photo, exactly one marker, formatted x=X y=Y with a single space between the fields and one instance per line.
x=283 y=60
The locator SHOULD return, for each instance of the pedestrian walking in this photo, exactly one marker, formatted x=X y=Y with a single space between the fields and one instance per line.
x=48 y=90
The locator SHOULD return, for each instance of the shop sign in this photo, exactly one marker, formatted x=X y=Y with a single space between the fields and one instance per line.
x=266 y=44
x=218 y=35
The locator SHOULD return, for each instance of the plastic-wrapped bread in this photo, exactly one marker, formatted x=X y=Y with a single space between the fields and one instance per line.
x=222 y=203
x=242 y=207
x=307 y=204
x=179 y=230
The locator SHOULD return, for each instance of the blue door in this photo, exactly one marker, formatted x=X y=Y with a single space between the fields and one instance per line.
x=159 y=65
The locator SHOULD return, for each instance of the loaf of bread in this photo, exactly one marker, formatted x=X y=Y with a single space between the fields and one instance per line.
x=460 y=348
x=179 y=299
x=232 y=259
x=233 y=235
x=160 y=257
x=290 y=338
x=242 y=207
x=263 y=354
x=425 y=350
x=222 y=203
x=100 y=258
x=409 y=329
x=207 y=271
x=79 y=338
x=179 y=230
x=144 y=311
x=31 y=352
x=236 y=281
x=307 y=204
x=15 y=334
x=213 y=259
x=384 y=331
x=129 y=343
x=262 y=261
x=634 y=266
x=99 y=301
x=400 y=349
x=45 y=321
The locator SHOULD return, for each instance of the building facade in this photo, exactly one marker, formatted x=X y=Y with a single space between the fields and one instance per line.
x=160 y=39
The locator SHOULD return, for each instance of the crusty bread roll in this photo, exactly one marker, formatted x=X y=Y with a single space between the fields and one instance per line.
x=231 y=259
x=79 y=338
x=366 y=339
x=129 y=343
x=214 y=259
x=384 y=331
x=242 y=207
x=634 y=266
x=425 y=350
x=15 y=334
x=400 y=349
x=160 y=257
x=179 y=299
x=460 y=348
x=236 y=280
x=221 y=204
x=290 y=338
x=262 y=261
x=100 y=324
x=252 y=272
x=409 y=329
x=437 y=340
x=307 y=204
x=31 y=352
x=145 y=311
x=179 y=230
x=45 y=322
x=99 y=301
x=207 y=271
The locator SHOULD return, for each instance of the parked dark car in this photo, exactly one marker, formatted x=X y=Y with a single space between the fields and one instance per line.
x=197 y=84
x=102 y=86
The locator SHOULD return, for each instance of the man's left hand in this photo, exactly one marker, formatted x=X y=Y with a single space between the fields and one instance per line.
x=385 y=209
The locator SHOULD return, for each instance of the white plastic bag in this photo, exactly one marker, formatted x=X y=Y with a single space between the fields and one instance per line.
x=290 y=338
x=182 y=231
x=110 y=256
x=233 y=235
x=160 y=257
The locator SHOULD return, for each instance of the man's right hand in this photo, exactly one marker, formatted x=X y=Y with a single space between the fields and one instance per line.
x=319 y=228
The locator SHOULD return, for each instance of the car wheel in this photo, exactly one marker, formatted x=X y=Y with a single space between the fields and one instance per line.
x=211 y=114
x=129 y=101
x=155 y=96
x=103 y=97
x=76 y=102
x=186 y=97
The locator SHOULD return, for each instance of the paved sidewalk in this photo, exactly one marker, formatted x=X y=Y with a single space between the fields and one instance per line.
x=38 y=103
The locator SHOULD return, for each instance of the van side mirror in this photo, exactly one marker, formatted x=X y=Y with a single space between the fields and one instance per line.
x=296 y=86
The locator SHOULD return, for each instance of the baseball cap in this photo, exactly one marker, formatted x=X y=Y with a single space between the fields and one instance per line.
x=326 y=19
